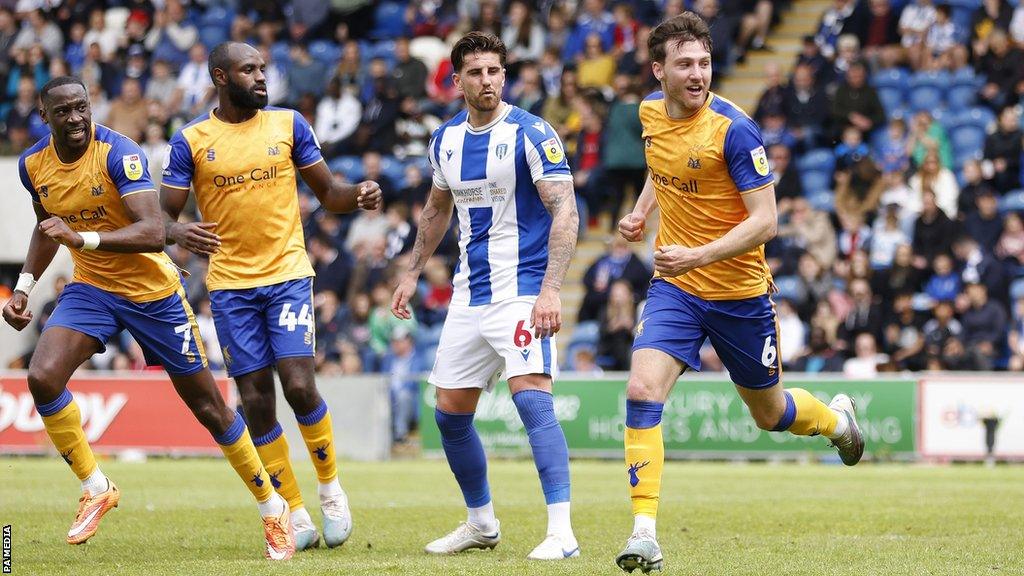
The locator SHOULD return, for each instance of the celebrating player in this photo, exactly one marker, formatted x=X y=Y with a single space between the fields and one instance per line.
x=505 y=172
x=710 y=176
x=242 y=159
x=92 y=193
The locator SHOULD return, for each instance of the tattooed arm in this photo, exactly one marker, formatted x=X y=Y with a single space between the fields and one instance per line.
x=434 y=220
x=559 y=198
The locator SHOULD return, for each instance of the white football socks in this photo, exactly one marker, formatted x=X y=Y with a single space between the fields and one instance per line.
x=559 y=522
x=841 y=425
x=301 y=519
x=95 y=483
x=273 y=506
x=330 y=489
x=643 y=522
x=483 y=518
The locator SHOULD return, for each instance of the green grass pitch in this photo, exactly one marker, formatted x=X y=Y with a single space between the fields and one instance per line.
x=193 y=517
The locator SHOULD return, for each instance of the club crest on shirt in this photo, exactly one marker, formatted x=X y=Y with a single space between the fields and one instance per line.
x=501 y=150
x=760 y=160
x=553 y=150
x=132 y=166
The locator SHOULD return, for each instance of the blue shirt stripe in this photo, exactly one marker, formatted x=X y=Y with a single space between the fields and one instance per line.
x=545 y=350
x=480 y=220
x=534 y=224
x=474 y=156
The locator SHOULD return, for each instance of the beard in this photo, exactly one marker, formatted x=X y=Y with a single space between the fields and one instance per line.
x=486 y=103
x=246 y=99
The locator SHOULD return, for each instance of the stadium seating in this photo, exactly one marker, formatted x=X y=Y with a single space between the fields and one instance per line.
x=819 y=159
x=1012 y=201
x=390 y=19
x=814 y=181
x=325 y=51
x=350 y=166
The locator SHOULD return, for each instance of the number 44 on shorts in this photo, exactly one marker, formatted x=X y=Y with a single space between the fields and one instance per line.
x=290 y=321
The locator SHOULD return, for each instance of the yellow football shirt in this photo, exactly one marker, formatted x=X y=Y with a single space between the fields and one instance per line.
x=87 y=194
x=701 y=166
x=244 y=176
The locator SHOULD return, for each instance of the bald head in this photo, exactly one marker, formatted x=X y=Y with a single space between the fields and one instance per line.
x=237 y=70
x=228 y=54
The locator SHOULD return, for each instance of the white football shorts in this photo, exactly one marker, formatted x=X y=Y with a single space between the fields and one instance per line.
x=481 y=344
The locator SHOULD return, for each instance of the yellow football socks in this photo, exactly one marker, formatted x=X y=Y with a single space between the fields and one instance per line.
x=273 y=450
x=645 y=455
x=63 y=422
x=812 y=416
x=318 y=434
x=241 y=453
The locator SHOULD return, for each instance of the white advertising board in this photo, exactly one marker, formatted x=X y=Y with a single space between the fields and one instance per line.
x=951 y=413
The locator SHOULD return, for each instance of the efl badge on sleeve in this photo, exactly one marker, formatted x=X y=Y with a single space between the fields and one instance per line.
x=760 y=160
x=132 y=166
x=553 y=150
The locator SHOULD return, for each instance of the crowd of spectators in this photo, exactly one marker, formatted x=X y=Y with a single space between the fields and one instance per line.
x=899 y=243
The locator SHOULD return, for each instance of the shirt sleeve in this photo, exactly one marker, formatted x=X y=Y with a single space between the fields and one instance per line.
x=305 y=146
x=26 y=181
x=545 y=153
x=432 y=151
x=745 y=156
x=179 y=167
x=128 y=167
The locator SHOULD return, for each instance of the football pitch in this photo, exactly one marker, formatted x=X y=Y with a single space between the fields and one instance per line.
x=193 y=517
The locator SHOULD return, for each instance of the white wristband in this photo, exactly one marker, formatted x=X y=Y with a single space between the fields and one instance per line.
x=91 y=239
x=25 y=283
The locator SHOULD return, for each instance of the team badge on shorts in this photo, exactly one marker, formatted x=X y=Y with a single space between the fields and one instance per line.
x=553 y=150
x=760 y=160
x=132 y=166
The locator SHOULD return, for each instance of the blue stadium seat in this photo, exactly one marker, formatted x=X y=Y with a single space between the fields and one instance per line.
x=1017 y=289
x=967 y=139
x=977 y=116
x=389 y=21
x=586 y=333
x=791 y=288
x=824 y=201
x=325 y=51
x=925 y=97
x=895 y=78
x=211 y=36
x=815 y=181
x=217 y=16
x=280 y=53
x=961 y=96
x=421 y=162
x=394 y=169
x=350 y=166
x=820 y=159
x=1012 y=201
x=891 y=97
x=934 y=79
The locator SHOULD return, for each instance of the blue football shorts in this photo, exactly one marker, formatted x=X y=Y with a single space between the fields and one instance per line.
x=258 y=326
x=744 y=332
x=166 y=329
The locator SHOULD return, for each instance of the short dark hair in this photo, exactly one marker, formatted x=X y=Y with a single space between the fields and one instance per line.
x=477 y=42
x=58 y=82
x=686 y=27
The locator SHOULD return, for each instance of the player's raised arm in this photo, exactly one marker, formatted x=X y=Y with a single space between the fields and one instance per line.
x=40 y=253
x=559 y=198
x=339 y=197
x=144 y=234
x=434 y=220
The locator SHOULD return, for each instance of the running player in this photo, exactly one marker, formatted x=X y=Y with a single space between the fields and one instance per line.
x=710 y=176
x=242 y=160
x=504 y=170
x=92 y=192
